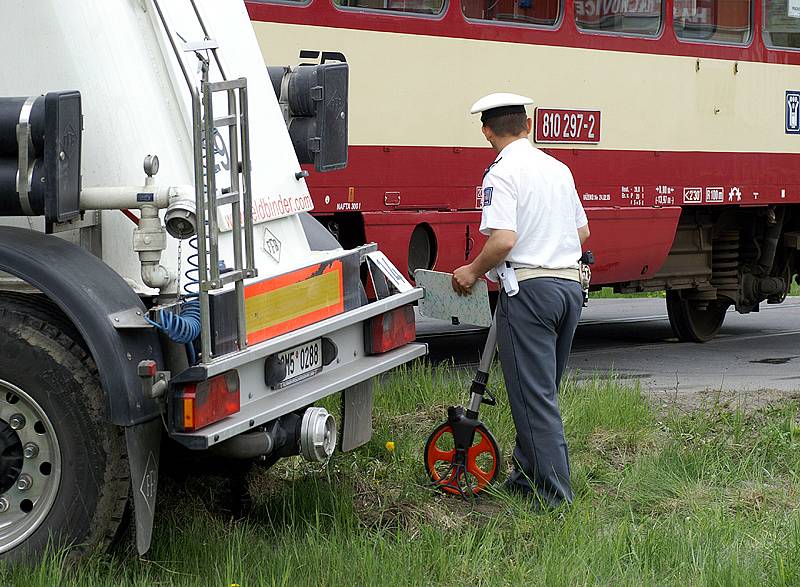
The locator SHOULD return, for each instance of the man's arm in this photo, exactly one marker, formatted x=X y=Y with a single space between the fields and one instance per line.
x=583 y=233
x=494 y=251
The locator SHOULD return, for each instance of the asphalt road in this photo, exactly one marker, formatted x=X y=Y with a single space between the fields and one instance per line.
x=632 y=338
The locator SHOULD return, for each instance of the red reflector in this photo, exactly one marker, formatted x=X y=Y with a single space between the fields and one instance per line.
x=390 y=330
x=200 y=404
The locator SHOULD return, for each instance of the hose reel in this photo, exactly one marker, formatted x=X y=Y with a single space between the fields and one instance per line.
x=40 y=156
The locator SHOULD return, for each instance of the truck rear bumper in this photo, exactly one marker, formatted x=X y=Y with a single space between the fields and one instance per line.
x=301 y=335
x=276 y=404
x=261 y=403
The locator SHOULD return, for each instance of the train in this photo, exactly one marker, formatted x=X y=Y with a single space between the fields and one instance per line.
x=678 y=118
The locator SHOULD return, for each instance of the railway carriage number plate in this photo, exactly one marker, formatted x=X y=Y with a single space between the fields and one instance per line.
x=555 y=125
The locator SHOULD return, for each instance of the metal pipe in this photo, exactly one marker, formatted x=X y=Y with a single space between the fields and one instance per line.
x=119 y=197
x=250 y=445
x=211 y=185
x=247 y=199
x=175 y=49
x=205 y=33
x=149 y=241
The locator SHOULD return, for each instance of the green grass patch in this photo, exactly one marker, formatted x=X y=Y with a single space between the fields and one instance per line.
x=608 y=292
x=701 y=498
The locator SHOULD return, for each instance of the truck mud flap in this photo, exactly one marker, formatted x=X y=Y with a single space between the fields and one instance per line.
x=144 y=451
x=356 y=415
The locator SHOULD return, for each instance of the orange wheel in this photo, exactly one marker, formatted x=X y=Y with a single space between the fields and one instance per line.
x=480 y=468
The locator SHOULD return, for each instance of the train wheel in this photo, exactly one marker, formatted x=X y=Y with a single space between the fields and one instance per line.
x=482 y=463
x=693 y=322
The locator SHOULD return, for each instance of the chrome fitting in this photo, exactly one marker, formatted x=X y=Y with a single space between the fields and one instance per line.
x=317 y=435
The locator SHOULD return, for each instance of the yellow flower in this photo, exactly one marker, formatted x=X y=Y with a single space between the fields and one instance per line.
x=390 y=446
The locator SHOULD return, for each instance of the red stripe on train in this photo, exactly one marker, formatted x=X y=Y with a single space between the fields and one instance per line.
x=397 y=189
x=445 y=178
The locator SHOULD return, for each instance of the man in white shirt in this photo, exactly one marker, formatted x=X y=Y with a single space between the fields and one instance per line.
x=536 y=226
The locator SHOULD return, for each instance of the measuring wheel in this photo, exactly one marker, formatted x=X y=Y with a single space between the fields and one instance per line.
x=461 y=456
x=460 y=471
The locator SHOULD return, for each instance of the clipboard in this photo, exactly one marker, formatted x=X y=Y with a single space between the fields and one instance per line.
x=442 y=303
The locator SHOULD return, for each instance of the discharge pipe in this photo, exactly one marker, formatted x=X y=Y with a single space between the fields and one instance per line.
x=150 y=236
x=311 y=434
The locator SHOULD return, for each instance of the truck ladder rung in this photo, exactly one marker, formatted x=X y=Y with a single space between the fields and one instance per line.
x=228 y=85
x=228 y=199
x=224 y=279
x=224 y=121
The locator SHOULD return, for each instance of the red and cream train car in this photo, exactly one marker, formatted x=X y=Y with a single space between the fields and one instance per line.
x=679 y=119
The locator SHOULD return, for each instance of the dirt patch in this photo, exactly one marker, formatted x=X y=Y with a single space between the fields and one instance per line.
x=755 y=496
x=387 y=510
x=424 y=419
x=620 y=448
x=692 y=496
x=748 y=401
x=746 y=498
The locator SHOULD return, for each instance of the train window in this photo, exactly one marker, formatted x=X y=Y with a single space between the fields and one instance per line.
x=624 y=17
x=413 y=6
x=782 y=24
x=533 y=12
x=713 y=21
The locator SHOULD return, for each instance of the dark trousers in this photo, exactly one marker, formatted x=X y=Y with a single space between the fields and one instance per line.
x=534 y=334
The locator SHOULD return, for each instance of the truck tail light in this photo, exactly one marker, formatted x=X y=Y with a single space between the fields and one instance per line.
x=197 y=405
x=390 y=330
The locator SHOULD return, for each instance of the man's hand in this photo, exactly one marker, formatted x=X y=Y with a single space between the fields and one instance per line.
x=463 y=279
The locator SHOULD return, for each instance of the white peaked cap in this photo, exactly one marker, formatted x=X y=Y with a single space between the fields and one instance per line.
x=498 y=101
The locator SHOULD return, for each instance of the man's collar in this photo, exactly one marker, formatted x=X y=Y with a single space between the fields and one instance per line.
x=512 y=146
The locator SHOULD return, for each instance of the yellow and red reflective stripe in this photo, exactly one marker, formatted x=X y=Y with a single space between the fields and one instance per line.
x=287 y=302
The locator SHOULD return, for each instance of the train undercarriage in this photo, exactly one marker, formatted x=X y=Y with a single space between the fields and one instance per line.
x=724 y=257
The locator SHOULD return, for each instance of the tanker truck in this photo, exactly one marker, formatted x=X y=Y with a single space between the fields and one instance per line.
x=162 y=281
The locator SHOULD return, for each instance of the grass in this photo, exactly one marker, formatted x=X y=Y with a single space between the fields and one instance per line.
x=608 y=292
x=700 y=498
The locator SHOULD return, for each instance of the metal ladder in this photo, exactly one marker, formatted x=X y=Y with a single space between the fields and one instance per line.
x=239 y=196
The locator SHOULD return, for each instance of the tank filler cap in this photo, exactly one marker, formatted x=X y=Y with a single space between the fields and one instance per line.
x=317 y=435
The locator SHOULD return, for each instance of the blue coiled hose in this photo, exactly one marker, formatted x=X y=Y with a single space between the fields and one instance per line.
x=184 y=327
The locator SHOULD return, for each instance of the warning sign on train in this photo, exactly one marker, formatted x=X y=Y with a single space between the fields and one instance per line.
x=792 y=112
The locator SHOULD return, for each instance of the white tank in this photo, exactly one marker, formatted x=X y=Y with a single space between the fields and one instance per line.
x=136 y=102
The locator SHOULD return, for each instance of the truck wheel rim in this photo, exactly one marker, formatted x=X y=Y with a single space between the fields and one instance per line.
x=36 y=472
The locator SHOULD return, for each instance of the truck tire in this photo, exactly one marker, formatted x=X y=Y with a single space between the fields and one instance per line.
x=64 y=475
x=691 y=322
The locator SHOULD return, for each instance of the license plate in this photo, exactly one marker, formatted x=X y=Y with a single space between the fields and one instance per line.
x=556 y=125
x=301 y=362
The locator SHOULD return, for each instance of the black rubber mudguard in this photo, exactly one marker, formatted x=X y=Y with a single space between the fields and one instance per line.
x=91 y=295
